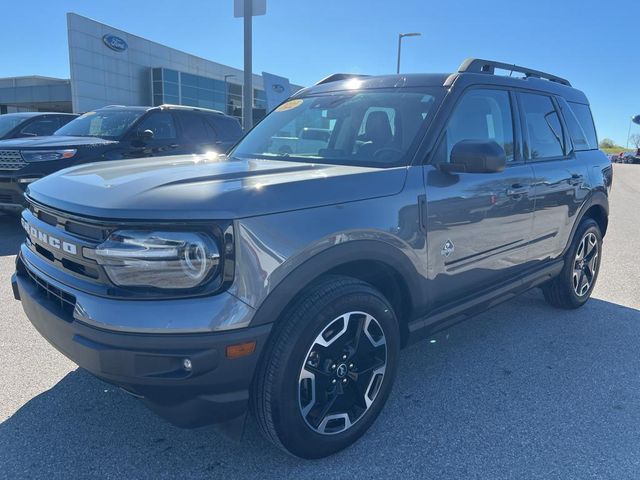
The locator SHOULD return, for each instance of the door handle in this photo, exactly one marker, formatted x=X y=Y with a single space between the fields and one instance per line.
x=517 y=190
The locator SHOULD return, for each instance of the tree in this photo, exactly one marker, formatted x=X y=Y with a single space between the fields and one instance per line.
x=607 y=143
x=635 y=140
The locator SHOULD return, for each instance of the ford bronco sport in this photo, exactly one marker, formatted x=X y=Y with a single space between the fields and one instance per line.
x=287 y=283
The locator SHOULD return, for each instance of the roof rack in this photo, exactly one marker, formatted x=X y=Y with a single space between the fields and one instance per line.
x=477 y=65
x=189 y=107
x=336 y=77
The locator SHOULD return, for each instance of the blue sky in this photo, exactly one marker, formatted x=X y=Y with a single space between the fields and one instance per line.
x=594 y=44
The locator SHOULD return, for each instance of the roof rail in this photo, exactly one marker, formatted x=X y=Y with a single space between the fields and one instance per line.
x=477 y=65
x=336 y=77
x=189 y=107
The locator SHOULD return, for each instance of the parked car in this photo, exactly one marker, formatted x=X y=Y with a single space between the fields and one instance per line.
x=112 y=133
x=32 y=124
x=288 y=283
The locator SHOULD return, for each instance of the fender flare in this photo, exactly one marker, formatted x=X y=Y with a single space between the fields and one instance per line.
x=597 y=198
x=358 y=250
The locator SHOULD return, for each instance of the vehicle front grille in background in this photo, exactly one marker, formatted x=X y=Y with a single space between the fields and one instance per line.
x=11 y=160
x=6 y=198
x=64 y=300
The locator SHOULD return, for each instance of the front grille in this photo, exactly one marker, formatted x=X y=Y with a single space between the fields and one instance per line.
x=6 y=198
x=11 y=160
x=64 y=300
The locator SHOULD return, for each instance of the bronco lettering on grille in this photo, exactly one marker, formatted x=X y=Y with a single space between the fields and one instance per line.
x=49 y=240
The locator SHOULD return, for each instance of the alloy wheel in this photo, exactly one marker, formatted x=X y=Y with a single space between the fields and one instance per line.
x=585 y=264
x=342 y=373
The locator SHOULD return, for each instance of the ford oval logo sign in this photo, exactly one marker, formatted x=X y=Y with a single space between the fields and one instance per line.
x=114 y=43
x=276 y=87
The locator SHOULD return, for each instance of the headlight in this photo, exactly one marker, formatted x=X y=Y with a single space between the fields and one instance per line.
x=47 y=155
x=167 y=260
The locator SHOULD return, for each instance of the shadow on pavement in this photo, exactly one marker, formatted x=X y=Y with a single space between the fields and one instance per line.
x=11 y=234
x=522 y=391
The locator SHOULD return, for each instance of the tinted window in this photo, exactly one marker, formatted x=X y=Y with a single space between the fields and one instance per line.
x=543 y=128
x=578 y=137
x=42 y=126
x=584 y=117
x=482 y=115
x=386 y=137
x=228 y=129
x=161 y=124
x=195 y=129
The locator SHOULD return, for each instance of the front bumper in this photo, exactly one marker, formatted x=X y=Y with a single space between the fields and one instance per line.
x=150 y=365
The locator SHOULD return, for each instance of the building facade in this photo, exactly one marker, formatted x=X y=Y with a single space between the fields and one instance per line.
x=109 y=66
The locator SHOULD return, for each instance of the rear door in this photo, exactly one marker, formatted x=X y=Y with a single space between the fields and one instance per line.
x=478 y=224
x=561 y=178
x=198 y=136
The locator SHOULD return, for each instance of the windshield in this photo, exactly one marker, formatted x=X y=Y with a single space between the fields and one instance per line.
x=110 y=124
x=9 y=122
x=378 y=128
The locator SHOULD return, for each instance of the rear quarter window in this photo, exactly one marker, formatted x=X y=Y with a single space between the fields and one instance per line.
x=584 y=118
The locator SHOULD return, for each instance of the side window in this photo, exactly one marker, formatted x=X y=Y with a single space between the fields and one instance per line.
x=543 y=127
x=584 y=117
x=161 y=124
x=228 y=129
x=576 y=133
x=195 y=129
x=42 y=126
x=482 y=114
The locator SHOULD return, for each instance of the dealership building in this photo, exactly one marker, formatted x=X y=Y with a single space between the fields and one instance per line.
x=111 y=67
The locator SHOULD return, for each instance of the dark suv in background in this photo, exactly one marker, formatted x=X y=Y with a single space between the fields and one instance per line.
x=287 y=282
x=112 y=133
x=32 y=124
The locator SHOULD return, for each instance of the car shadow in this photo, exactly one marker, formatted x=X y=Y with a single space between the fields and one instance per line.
x=11 y=234
x=521 y=391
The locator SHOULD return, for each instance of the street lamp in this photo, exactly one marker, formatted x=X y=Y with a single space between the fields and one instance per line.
x=226 y=93
x=635 y=119
x=400 y=37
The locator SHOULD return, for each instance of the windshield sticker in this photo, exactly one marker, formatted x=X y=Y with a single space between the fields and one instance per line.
x=291 y=104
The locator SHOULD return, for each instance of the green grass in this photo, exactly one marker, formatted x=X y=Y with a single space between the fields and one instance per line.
x=616 y=150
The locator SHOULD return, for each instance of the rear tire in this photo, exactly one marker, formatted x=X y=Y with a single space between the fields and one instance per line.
x=328 y=368
x=573 y=286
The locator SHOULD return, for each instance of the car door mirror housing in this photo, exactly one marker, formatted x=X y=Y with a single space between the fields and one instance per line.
x=476 y=156
x=145 y=134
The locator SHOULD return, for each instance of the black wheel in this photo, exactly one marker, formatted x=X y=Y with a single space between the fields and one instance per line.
x=328 y=369
x=573 y=287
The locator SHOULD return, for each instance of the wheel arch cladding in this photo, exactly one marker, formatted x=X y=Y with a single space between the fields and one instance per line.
x=381 y=265
x=598 y=213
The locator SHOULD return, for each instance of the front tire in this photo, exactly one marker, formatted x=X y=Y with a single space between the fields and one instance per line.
x=328 y=369
x=573 y=286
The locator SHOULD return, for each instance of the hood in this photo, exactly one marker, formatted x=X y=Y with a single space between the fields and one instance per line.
x=197 y=187
x=53 y=141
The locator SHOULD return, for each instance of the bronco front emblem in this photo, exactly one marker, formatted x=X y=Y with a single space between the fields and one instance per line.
x=447 y=249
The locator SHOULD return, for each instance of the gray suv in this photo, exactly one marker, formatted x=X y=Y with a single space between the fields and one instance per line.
x=286 y=283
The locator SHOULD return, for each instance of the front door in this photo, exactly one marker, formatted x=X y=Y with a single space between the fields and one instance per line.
x=478 y=224
x=163 y=142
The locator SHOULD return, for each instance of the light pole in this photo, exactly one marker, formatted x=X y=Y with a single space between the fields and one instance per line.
x=635 y=119
x=226 y=93
x=400 y=37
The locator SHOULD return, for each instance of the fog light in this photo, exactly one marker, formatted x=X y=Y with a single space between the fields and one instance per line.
x=241 y=349
x=186 y=364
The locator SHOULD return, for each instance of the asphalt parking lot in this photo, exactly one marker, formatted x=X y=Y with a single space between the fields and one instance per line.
x=521 y=391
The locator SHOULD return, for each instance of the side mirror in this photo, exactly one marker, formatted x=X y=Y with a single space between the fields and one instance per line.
x=476 y=156
x=145 y=134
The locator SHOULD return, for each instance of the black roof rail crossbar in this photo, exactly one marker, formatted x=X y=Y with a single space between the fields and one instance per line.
x=336 y=77
x=477 y=65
